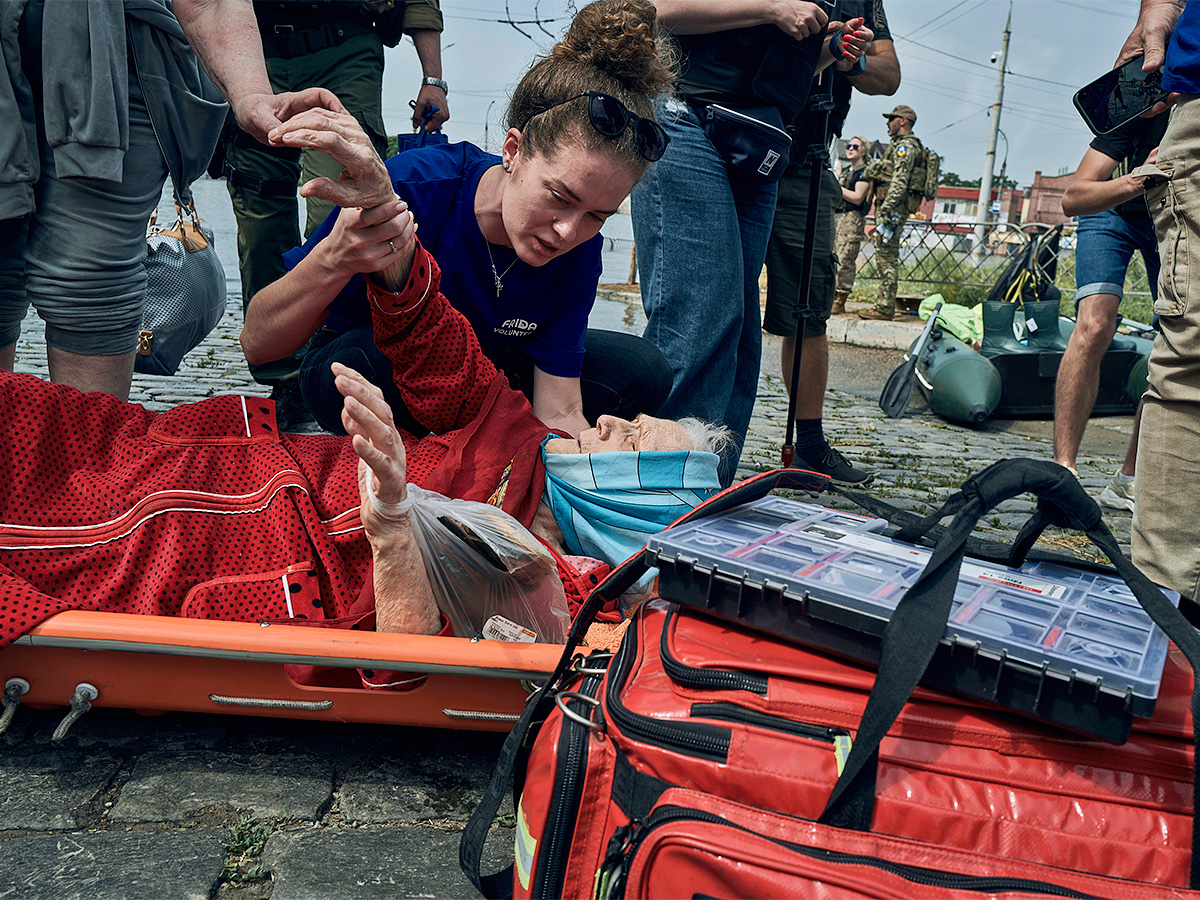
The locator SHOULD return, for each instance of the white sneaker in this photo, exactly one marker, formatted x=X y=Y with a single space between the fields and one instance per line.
x=1118 y=494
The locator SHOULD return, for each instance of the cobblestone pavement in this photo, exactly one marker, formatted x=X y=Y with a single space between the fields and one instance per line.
x=194 y=806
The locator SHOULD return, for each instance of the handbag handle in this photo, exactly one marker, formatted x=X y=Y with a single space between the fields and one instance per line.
x=916 y=627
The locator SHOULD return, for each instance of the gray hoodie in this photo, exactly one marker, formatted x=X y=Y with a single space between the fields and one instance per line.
x=85 y=109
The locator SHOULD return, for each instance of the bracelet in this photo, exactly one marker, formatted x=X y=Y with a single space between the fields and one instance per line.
x=436 y=82
x=838 y=52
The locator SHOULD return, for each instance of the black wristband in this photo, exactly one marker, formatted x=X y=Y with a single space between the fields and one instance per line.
x=838 y=52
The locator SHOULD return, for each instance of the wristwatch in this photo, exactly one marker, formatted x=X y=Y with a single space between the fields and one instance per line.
x=436 y=82
x=858 y=68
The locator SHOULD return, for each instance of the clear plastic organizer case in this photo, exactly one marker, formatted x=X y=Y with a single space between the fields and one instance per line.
x=1065 y=644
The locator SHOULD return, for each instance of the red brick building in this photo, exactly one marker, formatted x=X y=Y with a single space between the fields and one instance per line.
x=1044 y=203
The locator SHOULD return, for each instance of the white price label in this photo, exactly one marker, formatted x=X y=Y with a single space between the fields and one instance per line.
x=498 y=628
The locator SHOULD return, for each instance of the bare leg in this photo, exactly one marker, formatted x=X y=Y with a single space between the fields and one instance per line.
x=110 y=374
x=404 y=600
x=814 y=374
x=1129 y=467
x=8 y=357
x=1079 y=373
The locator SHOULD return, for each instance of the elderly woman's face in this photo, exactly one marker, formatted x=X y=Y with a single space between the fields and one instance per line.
x=611 y=433
x=553 y=203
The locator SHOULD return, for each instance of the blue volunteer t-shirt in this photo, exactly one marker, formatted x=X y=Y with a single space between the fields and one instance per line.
x=544 y=309
x=1182 y=70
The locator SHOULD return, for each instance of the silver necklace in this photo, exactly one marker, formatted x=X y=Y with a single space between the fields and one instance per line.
x=497 y=275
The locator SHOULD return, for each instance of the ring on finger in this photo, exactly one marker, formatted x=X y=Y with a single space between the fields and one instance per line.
x=393 y=246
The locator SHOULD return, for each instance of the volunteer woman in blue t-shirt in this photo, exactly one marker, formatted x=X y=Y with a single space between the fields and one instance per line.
x=516 y=235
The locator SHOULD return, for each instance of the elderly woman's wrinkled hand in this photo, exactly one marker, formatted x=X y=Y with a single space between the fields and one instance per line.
x=364 y=183
x=382 y=466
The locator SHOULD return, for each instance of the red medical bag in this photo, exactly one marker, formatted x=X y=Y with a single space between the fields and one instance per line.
x=707 y=759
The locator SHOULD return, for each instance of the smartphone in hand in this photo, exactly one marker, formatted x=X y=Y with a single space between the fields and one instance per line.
x=1118 y=96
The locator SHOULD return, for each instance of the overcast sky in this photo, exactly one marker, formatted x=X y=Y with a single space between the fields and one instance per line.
x=944 y=48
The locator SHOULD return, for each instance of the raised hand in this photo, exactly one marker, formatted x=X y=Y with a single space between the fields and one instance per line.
x=364 y=183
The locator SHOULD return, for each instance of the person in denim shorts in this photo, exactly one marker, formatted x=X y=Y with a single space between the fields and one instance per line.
x=1113 y=224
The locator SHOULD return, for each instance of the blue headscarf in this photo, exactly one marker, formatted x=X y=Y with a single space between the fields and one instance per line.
x=608 y=504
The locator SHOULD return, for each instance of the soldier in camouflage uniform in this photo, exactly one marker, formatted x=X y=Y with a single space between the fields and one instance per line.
x=849 y=220
x=892 y=176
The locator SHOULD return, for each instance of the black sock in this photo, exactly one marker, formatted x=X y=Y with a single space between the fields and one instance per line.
x=811 y=445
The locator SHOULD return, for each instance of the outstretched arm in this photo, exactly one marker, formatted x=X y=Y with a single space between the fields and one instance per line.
x=224 y=34
x=404 y=600
x=1093 y=190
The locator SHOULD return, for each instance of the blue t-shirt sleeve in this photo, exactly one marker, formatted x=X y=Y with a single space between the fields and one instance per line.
x=1182 y=70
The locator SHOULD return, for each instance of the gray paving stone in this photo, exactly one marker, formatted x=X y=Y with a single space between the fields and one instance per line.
x=373 y=863
x=182 y=865
x=127 y=730
x=178 y=786
x=51 y=790
x=440 y=775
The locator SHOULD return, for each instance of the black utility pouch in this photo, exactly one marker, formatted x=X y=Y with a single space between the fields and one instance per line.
x=751 y=140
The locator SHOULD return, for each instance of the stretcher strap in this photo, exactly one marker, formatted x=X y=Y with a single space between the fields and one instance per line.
x=916 y=627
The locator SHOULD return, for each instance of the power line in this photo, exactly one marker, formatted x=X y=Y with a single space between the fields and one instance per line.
x=945 y=21
x=1099 y=8
x=925 y=25
x=972 y=62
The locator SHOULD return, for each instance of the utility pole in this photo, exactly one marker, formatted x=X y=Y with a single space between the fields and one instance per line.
x=487 y=116
x=985 y=183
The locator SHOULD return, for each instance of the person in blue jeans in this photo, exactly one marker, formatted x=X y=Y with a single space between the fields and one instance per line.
x=701 y=232
x=1114 y=223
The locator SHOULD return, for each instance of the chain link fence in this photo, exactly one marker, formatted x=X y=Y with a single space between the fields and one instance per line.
x=947 y=259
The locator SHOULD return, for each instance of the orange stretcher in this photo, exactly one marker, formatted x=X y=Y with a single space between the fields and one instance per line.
x=161 y=664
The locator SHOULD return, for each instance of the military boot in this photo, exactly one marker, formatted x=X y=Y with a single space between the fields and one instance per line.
x=839 y=303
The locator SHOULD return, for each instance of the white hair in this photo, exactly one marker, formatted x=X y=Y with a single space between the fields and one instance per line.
x=706 y=436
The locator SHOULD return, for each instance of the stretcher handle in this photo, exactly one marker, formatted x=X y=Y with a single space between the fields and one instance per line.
x=916 y=627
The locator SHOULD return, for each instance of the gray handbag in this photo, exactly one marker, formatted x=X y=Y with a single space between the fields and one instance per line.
x=185 y=291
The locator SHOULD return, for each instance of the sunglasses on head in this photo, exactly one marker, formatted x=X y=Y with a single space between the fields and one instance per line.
x=610 y=118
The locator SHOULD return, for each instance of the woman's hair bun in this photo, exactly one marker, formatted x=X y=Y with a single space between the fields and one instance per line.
x=619 y=38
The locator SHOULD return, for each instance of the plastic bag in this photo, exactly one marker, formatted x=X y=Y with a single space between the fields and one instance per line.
x=489 y=575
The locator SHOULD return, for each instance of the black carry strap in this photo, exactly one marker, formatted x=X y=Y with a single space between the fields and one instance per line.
x=537 y=707
x=912 y=635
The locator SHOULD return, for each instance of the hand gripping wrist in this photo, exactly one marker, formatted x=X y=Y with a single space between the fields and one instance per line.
x=835 y=47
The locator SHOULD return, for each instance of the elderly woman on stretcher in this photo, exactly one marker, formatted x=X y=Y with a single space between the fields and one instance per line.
x=208 y=511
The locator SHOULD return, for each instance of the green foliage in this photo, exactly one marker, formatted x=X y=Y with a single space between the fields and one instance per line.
x=950 y=179
x=247 y=838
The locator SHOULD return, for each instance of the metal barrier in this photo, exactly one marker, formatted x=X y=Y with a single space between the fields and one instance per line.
x=945 y=258
x=942 y=257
